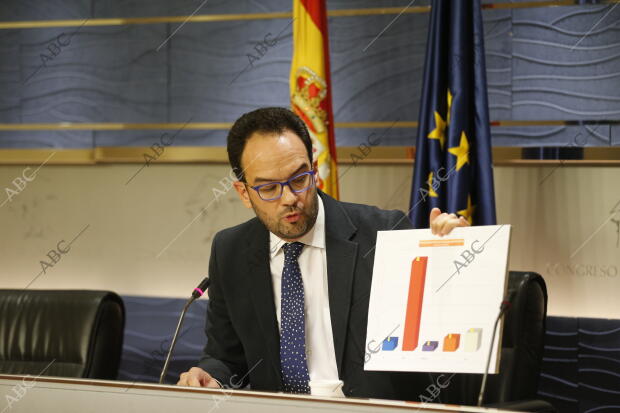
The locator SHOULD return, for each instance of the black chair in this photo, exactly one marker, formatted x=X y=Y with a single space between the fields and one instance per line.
x=516 y=385
x=61 y=333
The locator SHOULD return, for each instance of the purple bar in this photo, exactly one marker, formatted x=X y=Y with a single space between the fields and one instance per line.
x=430 y=346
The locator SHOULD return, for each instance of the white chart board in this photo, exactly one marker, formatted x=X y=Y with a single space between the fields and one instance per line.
x=434 y=300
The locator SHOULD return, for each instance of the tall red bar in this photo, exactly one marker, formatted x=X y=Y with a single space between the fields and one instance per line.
x=414 y=304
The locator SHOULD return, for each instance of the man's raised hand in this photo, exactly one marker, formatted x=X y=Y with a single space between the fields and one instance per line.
x=443 y=223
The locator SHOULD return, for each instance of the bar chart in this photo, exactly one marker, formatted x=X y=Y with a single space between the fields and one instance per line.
x=414 y=304
x=431 y=310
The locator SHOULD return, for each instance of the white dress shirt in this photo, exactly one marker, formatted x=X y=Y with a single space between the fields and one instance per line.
x=313 y=265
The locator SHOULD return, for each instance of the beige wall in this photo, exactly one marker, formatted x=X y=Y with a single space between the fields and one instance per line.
x=149 y=238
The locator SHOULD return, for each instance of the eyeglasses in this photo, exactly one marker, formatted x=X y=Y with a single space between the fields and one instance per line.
x=274 y=190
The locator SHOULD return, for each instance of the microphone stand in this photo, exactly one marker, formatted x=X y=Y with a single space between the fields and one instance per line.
x=197 y=293
x=505 y=306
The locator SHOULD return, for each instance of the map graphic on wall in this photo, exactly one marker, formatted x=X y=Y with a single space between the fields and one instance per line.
x=434 y=300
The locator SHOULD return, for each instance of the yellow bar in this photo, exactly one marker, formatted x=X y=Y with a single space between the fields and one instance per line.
x=203 y=18
x=380 y=155
x=111 y=126
x=56 y=156
x=171 y=154
x=228 y=125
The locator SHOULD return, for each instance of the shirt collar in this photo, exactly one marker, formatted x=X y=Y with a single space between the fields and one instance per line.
x=315 y=237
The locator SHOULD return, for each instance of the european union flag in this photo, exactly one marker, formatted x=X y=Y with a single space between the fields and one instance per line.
x=453 y=166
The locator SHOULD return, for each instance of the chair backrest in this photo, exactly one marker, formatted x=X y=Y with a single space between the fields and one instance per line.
x=66 y=333
x=521 y=353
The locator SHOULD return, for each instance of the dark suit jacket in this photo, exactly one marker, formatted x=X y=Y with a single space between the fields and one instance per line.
x=242 y=328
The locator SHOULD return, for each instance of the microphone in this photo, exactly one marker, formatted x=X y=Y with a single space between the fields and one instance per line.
x=197 y=293
x=503 y=308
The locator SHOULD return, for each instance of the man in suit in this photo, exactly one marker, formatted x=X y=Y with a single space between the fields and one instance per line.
x=289 y=293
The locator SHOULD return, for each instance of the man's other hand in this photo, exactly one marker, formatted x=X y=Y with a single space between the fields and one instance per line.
x=442 y=223
x=197 y=377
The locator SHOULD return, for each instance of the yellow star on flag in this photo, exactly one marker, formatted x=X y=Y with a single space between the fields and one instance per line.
x=439 y=132
x=431 y=191
x=449 y=107
x=468 y=213
x=461 y=152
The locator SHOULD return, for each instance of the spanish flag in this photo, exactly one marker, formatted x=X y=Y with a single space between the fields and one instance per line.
x=310 y=83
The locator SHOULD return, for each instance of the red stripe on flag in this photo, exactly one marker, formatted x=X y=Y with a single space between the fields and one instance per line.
x=317 y=11
x=315 y=8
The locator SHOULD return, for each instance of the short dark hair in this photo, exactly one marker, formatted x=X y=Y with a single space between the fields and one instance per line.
x=263 y=120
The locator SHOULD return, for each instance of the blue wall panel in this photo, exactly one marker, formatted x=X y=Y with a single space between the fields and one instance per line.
x=546 y=63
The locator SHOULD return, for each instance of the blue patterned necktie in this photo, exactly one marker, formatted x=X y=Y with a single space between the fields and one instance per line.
x=293 y=363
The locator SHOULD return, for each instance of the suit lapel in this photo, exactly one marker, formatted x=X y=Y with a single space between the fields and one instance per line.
x=261 y=291
x=341 y=259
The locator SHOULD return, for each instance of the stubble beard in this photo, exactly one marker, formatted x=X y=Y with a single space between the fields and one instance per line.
x=292 y=230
